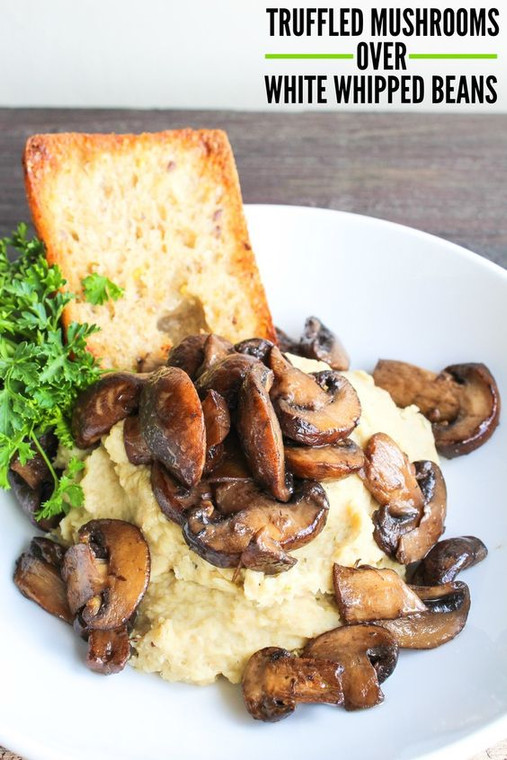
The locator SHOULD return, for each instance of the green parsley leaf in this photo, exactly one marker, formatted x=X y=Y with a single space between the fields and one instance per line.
x=98 y=289
x=42 y=370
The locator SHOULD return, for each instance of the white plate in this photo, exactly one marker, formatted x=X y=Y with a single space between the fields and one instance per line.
x=388 y=291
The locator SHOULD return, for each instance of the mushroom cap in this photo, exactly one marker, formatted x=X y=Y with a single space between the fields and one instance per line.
x=368 y=593
x=436 y=395
x=417 y=542
x=260 y=433
x=275 y=681
x=103 y=404
x=314 y=410
x=136 y=448
x=173 y=498
x=188 y=355
x=172 y=423
x=37 y=576
x=226 y=376
x=447 y=608
x=119 y=561
x=258 y=536
x=448 y=558
x=321 y=462
x=479 y=412
x=366 y=658
x=318 y=342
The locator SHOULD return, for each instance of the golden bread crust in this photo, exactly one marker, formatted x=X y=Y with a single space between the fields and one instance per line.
x=160 y=214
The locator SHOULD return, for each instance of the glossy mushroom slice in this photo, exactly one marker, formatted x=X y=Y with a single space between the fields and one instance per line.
x=233 y=464
x=106 y=402
x=32 y=499
x=108 y=651
x=217 y=421
x=448 y=558
x=391 y=478
x=259 y=536
x=367 y=658
x=320 y=462
x=436 y=395
x=107 y=573
x=188 y=355
x=260 y=433
x=172 y=423
x=136 y=448
x=37 y=576
x=416 y=543
x=258 y=347
x=479 y=412
x=462 y=402
x=367 y=593
x=226 y=376
x=446 y=614
x=275 y=681
x=215 y=348
x=35 y=471
x=314 y=410
x=318 y=342
x=173 y=498
x=413 y=500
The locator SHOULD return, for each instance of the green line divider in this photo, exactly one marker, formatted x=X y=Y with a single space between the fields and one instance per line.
x=452 y=56
x=300 y=56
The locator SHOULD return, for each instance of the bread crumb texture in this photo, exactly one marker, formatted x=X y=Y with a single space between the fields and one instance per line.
x=198 y=621
x=160 y=214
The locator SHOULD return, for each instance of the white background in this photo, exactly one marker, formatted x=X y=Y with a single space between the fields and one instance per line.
x=191 y=53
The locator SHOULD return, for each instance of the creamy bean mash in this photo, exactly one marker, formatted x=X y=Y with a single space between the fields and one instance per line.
x=198 y=621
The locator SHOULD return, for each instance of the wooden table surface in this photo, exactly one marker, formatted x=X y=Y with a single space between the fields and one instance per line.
x=445 y=174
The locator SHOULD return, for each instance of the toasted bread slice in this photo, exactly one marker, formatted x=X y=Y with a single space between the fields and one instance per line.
x=160 y=215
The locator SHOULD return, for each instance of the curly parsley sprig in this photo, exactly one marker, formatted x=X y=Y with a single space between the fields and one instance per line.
x=42 y=370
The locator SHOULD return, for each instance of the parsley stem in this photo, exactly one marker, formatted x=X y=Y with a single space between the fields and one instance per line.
x=45 y=457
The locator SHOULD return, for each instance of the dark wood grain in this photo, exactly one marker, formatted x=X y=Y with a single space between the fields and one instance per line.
x=445 y=174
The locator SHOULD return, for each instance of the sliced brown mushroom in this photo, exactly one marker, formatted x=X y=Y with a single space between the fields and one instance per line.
x=106 y=402
x=447 y=559
x=37 y=576
x=314 y=410
x=233 y=464
x=275 y=681
x=217 y=421
x=413 y=500
x=479 y=412
x=416 y=543
x=318 y=342
x=172 y=423
x=116 y=561
x=35 y=471
x=173 y=498
x=32 y=499
x=136 y=448
x=367 y=593
x=259 y=536
x=226 y=376
x=462 y=402
x=321 y=462
x=215 y=349
x=257 y=347
x=108 y=651
x=367 y=657
x=188 y=355
x=391 y=478
x=260 y=433
x=436 y=395
x=284 y=343
x=446 y=614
